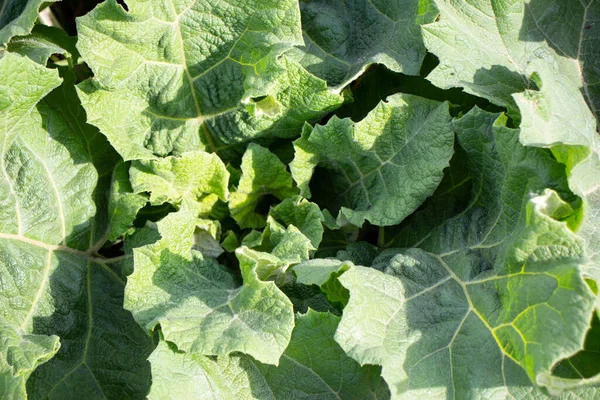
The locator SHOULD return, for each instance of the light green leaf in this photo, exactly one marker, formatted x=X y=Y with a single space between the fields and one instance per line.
x=200 y=305
x=502 y=175
x=583 y=167
x=319 y=271
x=123 y=204
x=486 y=329
x=313 y=366
x=538 y=55
x=383 y=167
x=230 y=242
x=548 y=44
x=182 y=376
x=44 y=41
x=55 y=173
x=280 y=97
x=192 y=176
x=494 y=295
x=206 y=238
x=19 y=356
x=302 y=214
x=274 y=251
x=343 y=37
x=186 y=75
x=324 y=273
x=262 y=174
x=16 y=103
x=264 y=264
x=290 y=245
x=17 y=17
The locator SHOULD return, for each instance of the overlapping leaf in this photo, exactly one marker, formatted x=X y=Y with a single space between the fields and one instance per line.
x=51 y=224
x=186 y=75
x=304 y=215
x=313 y=366
x=191 y=176
x=17 y=17
x=200 y=305
x=343 y=37
x=539 y=58
x=43 y=42
x=383 y=167
x=537 y=55
x=463 y=269
x=493 y=295
x=123 y=204
x=262 y=174
x=19 y=356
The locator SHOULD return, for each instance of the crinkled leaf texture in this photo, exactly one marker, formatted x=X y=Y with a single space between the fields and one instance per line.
x=489 y=299
x=191 y=176
x=262 y=174
x=383 y=167
x=194 y=74
x=536 y=55
x=343 y=37
x=43 y=42
x=312 y=366
x=55 y=289
x=163 y=223
x=540 y=59
x=19 y=356
x=199 y=305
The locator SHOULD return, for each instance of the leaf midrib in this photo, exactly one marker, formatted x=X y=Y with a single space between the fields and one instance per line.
x=337 y=395
x=52 y=248
x=83 y=362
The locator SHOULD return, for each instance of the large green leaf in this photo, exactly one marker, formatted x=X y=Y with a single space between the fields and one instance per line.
x=200 y=305
x=492 y=296
x=313 y=366
x=383 y=167
x=193 y=74
x=343 y=37
x=539 y=58
x=538 y=55
x=53 y=219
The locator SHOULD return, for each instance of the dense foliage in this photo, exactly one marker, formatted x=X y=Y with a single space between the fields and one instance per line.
x=324 y=199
